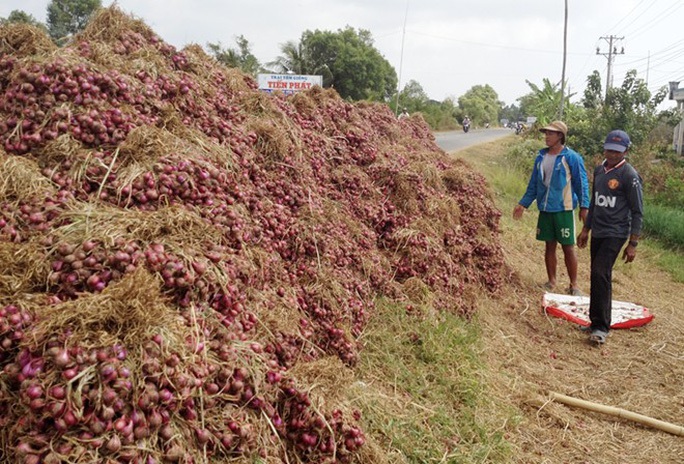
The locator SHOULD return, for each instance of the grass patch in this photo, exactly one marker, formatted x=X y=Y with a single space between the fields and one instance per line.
x=665 y=223
x=427 y=370
x=666 y=258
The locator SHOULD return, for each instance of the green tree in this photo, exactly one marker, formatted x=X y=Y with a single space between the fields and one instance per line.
x=630 y=107
x=543 y=102
x=440 y=115
x=19 y=16
x=510 y=112
x=413 y=97
x=296 y=60
x=292 y=60
x=592 y=92
x=67 y=17
x=240 y=57
x=481 y=104
x=346 y=59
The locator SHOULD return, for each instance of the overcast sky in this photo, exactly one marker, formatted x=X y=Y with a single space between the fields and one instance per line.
x=447 y=46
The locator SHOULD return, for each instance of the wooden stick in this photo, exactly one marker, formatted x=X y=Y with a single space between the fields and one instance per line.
x=622 y=413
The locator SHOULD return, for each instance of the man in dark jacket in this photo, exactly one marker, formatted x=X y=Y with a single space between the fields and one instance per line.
x=615 y=217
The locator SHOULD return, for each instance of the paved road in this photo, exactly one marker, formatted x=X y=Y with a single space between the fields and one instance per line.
x=452 y=141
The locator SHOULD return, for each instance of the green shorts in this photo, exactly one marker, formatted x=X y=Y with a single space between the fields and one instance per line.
x=559 y=227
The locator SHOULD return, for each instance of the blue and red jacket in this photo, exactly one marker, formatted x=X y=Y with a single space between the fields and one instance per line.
x=569 y=184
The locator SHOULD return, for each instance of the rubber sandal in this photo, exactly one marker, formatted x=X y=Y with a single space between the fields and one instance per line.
x=574 y=291
x=548 y=286
x=598 y=337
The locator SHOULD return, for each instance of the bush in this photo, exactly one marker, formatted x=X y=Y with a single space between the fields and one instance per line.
x=521 y=155
x=665 y=223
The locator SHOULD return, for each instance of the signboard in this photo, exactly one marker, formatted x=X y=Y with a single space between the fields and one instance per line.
x=677 y=94
x=287 y=83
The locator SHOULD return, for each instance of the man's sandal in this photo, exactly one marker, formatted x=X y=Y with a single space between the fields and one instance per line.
x=574 y=291
x=598 y=337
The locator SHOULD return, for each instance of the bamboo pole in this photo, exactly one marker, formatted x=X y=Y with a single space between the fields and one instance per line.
x=622 y=413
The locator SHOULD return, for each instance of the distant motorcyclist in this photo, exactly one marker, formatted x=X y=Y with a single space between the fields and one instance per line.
x=466 y=124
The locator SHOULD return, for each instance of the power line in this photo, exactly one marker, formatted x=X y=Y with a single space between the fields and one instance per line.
x=663 y=54
x=612 y=51
x=660 y=61
x=627 y=15
x=664 y=14
x=504 y=47
x=638 y=16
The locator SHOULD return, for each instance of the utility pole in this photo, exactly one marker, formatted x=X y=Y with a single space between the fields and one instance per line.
x=565 y=57
x=401 y=59
x=612 y=51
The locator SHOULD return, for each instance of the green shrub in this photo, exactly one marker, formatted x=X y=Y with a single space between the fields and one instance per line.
x=521 y=155
x=664 y=223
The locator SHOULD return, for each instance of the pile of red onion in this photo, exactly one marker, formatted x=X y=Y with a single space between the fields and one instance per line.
x=268 y=225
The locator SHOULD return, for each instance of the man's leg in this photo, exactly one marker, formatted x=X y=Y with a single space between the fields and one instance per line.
x=564 y=228
x=571 y=264
x=604 y=252
x=551 y=262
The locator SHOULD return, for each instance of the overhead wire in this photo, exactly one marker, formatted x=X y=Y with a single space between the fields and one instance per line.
x=637 y=17
x=482 y=44
x=657 y=19
x=657 y=62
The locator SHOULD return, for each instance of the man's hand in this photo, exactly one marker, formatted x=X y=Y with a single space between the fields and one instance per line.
x=518 y=211
x=629 y=254
x=583 y=238
x=583 y=214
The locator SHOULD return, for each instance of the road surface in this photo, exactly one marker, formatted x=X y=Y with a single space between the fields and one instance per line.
x=452 y=141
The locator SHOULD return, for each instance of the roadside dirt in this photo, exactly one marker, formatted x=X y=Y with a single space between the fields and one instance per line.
x=531 y=355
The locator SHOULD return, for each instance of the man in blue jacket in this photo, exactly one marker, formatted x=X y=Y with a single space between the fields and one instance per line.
x=558 y=184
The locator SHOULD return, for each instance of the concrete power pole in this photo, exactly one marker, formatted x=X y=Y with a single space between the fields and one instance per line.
x=610 y=54
x=565 y=58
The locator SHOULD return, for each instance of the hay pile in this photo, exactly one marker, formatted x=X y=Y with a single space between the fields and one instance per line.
x=176 y=246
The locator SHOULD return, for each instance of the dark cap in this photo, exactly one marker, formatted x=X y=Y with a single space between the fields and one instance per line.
x=617 y=140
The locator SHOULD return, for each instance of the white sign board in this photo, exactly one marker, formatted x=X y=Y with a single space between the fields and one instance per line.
x=287 y=83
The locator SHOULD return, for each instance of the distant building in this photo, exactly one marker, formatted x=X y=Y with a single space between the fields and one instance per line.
x=677 y=94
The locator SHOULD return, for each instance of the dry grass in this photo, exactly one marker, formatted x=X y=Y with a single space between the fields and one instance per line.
x=20 y=179
x=130 y=310
x=20 y=40
x=531 y=354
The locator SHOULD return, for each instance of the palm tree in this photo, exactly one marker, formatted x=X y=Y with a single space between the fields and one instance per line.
x=292 y=60
x=543 y=102
x=295 y=60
